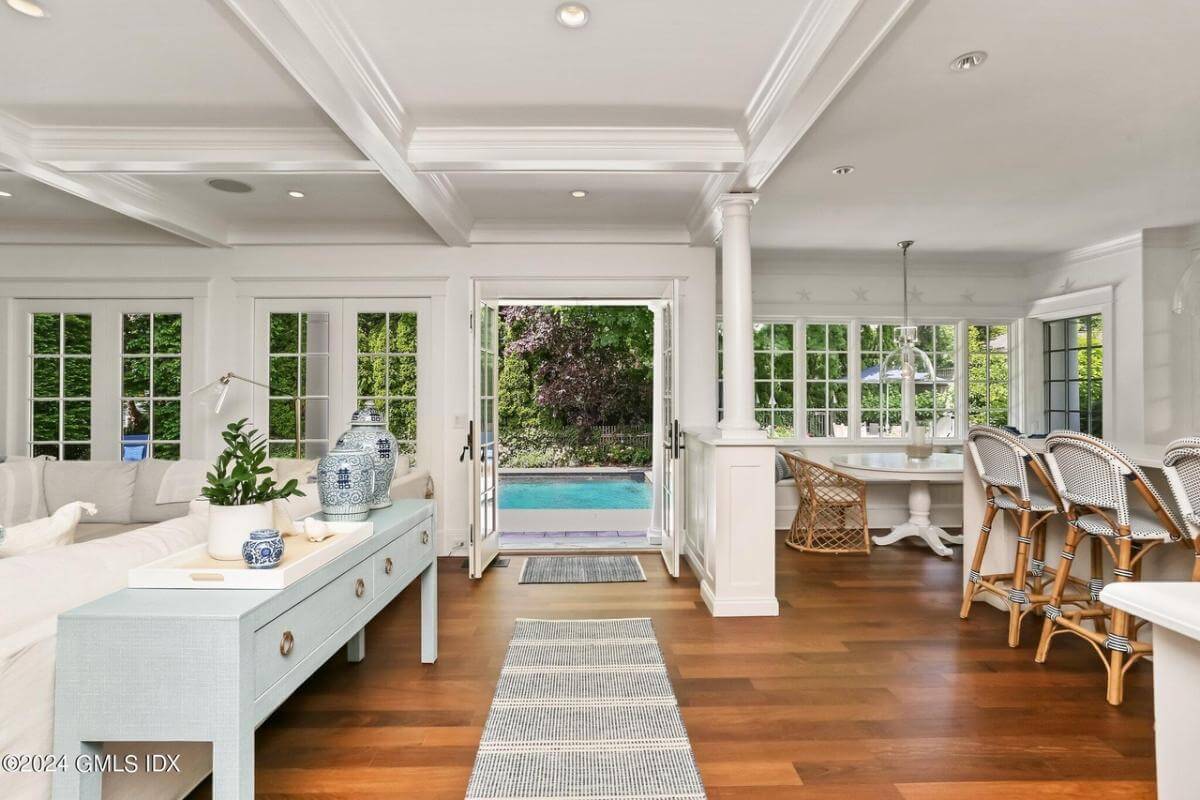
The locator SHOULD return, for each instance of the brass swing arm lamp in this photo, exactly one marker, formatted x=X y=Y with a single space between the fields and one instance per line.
x=220 y=387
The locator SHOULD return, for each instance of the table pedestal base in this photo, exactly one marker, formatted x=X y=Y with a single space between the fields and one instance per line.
x=919 y=524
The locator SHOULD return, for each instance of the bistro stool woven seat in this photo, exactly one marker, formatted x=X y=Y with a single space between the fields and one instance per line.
x=1015 y=481
x=1181 y=464
x=1097 y=483
x=831 y=516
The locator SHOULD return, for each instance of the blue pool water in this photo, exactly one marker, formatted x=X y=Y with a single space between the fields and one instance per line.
x=573 y=491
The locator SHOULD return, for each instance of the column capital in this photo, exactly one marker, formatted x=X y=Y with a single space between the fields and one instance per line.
x=735 y=203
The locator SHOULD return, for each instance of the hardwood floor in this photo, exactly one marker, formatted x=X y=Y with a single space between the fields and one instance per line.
x=866 y=686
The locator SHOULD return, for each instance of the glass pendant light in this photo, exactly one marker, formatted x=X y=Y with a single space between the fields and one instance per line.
x=907 y=360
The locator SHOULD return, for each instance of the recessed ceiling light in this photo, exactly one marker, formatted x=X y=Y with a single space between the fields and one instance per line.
x=28 y=8
x=573 y=15
x=229 y=185
x=579 y=193
x=5 y=194
x=968 y=61
x=295 y=193
x=844 y=169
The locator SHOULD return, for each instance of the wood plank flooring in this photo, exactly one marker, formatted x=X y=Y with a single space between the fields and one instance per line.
x=867 y=686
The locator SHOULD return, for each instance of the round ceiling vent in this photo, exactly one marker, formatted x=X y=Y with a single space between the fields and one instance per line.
x=230 y=185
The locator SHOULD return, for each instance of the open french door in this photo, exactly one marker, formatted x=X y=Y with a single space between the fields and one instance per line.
x=485 y=534
x=672 y=441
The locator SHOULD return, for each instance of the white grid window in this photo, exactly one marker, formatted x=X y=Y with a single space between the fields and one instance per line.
x=988 y=348
x=298 y=374
x=827 y=380
x=151 y=386
x=387 y=371
x=60 y=387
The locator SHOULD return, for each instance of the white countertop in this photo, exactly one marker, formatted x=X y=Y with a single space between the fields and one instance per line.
x=1173 y=605
x=899 y=462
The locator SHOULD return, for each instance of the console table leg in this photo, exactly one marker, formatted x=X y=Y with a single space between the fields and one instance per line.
x=233 y=767
x=356 y=648
x=429 y=615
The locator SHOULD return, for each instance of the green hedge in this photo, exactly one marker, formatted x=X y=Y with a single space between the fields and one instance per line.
x=566 y=447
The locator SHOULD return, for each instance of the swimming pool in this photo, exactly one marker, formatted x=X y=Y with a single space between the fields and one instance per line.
x=574 y=491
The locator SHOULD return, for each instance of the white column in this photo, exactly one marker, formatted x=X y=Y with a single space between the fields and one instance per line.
x=737 y=318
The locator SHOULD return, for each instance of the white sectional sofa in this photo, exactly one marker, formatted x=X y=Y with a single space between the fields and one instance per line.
x=129 y=530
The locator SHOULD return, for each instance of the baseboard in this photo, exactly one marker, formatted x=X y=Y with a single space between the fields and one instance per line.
x=452 y=542
x=742 y=607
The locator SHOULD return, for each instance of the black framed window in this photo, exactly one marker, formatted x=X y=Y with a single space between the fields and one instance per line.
x=1074 y=364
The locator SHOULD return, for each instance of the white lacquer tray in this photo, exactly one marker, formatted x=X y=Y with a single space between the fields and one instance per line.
x=195 y=569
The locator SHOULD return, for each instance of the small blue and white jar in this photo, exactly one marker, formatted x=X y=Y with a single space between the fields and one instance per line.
x=368 y=432
x=263 y=550
x=345 y=483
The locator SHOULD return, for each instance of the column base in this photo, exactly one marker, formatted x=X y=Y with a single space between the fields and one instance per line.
x=742 y=434
x=739 y=607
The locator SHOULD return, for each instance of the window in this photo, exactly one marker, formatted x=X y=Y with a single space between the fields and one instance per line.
x=935 y=396
x=774 y=377
x=60 y=391
x=151 y=386
x=881 y=400
x=1074 y=374
x=387 y=371
x=827 y=388
x=882 y=394
x=299 y=375
x=987 y=374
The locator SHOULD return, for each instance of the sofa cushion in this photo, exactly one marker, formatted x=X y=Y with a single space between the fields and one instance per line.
x=22 y=497
x=56 y=530
x=146 y=507
x=87 y=531
x=106 y=484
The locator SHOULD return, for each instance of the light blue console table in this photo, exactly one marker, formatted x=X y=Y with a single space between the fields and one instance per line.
x=164 y=665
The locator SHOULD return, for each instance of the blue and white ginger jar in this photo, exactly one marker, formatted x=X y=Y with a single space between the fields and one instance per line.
x=263 y=550
x=368 y=432
x=345 y=483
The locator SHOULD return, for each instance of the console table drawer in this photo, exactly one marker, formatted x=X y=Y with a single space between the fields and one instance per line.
x=287 y=640
x=396 y=560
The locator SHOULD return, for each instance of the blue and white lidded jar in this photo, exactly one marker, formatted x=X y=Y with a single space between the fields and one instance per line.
x=345 y=483
x=368 y=432
x=263 y=550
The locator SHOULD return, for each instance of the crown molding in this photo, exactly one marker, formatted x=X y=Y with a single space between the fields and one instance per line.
x=501 y=232
x=122 y=194
x=575 y=149
x=314 y=44
x=703 y=222
x=1121 y=244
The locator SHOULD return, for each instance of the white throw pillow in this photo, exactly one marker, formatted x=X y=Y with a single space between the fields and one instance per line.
x=22 y=496
x=42 y=534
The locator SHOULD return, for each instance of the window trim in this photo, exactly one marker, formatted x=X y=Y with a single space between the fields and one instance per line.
x=1098 y=300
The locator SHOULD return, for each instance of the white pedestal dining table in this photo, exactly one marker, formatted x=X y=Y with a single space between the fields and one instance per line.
x=918 y=473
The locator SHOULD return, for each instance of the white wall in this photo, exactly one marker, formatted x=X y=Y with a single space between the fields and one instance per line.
x=1171 y=348
x=223 y=284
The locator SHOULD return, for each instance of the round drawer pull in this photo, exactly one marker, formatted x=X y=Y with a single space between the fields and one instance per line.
x=286 y=643
x=387 y=566
x=360 y=587
x=424 y=537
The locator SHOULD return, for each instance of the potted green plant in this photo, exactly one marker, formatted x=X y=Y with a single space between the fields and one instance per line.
x=240 y=491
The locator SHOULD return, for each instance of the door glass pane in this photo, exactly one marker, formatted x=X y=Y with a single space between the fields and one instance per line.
x=151 y=385
x=60 y=385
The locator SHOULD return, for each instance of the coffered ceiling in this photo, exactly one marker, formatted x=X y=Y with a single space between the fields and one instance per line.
x=466 y=122
x=414 y=121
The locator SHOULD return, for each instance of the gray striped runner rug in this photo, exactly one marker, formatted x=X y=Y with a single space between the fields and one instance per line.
x=584 y=710
x=582 y=569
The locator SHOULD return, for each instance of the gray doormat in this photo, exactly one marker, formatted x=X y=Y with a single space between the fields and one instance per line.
x=582 y=569
x=585 y=709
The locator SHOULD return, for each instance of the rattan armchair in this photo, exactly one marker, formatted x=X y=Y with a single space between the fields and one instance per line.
x=831 y=516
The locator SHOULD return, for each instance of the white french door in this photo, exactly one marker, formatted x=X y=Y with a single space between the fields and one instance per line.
x=671 y=438
x=485 y=534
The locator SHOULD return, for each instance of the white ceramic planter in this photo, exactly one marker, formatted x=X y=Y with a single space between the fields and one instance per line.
x=230 y=526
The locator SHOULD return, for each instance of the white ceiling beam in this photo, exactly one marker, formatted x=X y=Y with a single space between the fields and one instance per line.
x=557 y=232
x=575 y=149
x=122 y=194
x=310 y=39
x=823 y=52
x=196 y=150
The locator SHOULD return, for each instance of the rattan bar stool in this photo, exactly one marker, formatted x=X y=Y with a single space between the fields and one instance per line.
x=1094 y=478
x=1181 y=465
x=831 y=516
x=1005 y=466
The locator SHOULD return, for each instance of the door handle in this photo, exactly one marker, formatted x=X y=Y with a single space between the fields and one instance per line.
x=469 y=446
